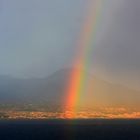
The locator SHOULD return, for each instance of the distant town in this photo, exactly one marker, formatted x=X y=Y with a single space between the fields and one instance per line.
x=30 y=112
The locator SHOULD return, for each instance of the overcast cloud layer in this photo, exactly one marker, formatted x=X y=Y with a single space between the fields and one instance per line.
x=118 y=51
x=37 y=37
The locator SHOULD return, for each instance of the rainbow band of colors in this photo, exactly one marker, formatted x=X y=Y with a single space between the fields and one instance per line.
x=77 y=83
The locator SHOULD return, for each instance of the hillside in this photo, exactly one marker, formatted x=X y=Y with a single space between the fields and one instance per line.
x=52 y=91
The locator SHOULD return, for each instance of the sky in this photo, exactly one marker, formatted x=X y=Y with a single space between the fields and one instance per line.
x=117 y=52
x=38 y=37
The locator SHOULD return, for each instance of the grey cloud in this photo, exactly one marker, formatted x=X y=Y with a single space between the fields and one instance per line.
x=38 y=36
x=117 y=53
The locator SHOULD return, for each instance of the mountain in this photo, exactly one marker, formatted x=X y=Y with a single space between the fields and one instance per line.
x=52 y=91
x=48 y=90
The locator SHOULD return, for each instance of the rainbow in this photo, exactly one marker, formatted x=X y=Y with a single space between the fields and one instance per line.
x=78 y=81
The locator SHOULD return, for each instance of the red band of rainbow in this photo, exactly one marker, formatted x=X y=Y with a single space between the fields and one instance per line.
x=76 y=85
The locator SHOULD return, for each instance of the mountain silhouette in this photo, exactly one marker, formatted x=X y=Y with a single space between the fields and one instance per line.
x=52 y=91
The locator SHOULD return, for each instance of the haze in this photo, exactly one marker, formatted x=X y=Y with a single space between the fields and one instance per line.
x=38 y=37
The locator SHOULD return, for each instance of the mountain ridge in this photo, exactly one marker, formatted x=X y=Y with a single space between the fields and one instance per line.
x=52 y=90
